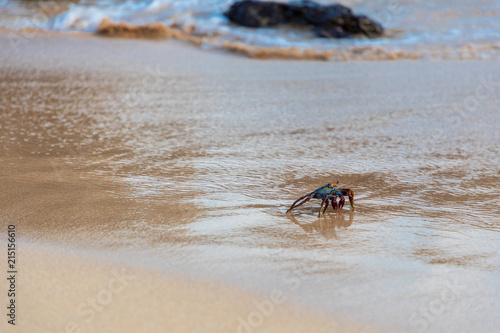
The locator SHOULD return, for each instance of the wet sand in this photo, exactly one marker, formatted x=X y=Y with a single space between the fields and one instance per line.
x=68 y=292
x=178 y=164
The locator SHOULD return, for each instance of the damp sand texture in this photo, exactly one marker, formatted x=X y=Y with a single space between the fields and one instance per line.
x=178 y=164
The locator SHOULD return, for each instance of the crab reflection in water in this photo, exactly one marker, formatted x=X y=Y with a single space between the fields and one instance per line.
x=327 y=225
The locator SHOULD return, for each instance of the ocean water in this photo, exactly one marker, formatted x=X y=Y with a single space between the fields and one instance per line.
x=456 y=29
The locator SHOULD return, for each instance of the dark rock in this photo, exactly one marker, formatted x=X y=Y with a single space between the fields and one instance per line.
x=330 y=21
x=332 y=32
x=256 y=14
x=316 y=14
x=368 y=27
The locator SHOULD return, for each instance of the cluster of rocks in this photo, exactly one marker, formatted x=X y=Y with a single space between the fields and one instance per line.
x=329 y=21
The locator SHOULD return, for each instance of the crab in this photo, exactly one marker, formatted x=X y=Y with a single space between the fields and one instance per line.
x=326 y=193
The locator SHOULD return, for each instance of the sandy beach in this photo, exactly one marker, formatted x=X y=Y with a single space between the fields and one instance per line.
x=68 y=292
x=174 y=166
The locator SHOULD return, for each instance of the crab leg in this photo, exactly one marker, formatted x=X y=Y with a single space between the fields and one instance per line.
x=326 y=206
x=351 y=199
x=301 y=203
x=333 y=198
x=295 y=202
x=350 y=194
x=294 y=205
x=322 y=203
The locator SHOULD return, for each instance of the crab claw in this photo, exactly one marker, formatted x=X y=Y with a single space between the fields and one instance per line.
x=334 y=203
x=341 y=201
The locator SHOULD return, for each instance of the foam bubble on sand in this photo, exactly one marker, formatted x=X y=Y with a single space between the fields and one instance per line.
x=125 y=30
x=275 y=53
x=293 y=53
x=157 y=30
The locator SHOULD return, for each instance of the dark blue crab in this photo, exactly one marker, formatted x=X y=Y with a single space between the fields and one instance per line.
x=327 y=193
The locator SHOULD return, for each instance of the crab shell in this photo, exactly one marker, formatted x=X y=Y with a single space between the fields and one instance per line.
x=328 y=194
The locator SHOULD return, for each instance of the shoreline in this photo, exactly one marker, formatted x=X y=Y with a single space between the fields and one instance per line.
x=161 y=33
x=85 y=294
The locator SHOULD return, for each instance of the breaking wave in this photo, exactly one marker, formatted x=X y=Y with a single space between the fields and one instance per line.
x=414 y=30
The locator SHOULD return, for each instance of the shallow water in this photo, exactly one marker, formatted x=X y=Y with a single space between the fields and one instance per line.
x=192 y=171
